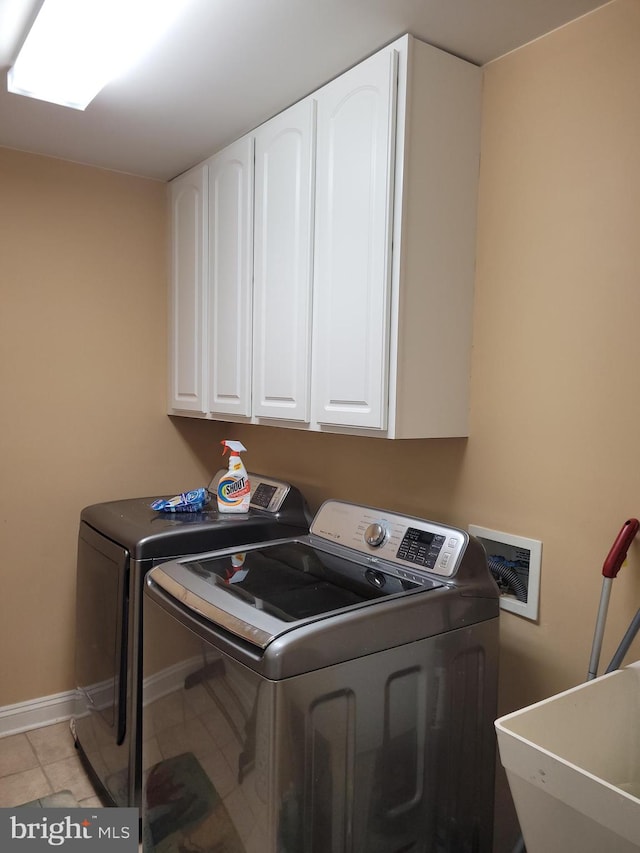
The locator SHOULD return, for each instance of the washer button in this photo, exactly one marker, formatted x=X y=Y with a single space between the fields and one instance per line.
x=375 y=534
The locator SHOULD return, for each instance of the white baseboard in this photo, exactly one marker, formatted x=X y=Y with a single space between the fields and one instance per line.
x=48 y=710
x=36 y=713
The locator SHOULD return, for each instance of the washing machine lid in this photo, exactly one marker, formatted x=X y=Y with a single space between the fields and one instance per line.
x=265 y=591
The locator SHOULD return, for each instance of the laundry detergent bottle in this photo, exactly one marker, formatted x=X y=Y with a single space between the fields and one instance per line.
x=234 y=489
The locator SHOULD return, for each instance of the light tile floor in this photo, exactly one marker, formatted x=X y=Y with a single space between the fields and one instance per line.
x=40 y=762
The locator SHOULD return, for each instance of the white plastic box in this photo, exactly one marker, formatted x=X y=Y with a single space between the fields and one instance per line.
x=573 y=765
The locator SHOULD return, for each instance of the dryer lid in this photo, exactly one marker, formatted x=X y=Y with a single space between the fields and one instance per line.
x=278 y=510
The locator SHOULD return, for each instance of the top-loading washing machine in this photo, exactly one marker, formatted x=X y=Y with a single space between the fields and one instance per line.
x=119 y=542
x=330 y=693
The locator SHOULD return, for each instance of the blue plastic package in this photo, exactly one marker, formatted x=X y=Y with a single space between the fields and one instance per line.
x=192 y=501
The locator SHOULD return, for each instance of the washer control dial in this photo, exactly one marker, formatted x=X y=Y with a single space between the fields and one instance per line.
x=375 y=534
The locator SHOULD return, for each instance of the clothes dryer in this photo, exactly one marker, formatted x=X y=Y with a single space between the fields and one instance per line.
x=119 y=542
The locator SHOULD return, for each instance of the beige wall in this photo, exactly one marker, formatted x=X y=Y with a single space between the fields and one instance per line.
x=556 y=402
x=82 y=381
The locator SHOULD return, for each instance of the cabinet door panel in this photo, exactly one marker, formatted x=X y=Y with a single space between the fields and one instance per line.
x=283 y=264
x=230 y=273
x=354 y=185
x=187 y=309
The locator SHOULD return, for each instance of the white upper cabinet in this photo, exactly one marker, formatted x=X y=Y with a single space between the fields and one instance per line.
x=352 y=286
x=357 y=252
x=437 y=162
x=230 y=270
x=283 y=254
x=187 y=308
x=398 y=161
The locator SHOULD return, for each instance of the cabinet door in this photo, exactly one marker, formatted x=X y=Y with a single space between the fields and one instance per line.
x=187 y=308
x=230 y=273
x=283 y=264
x=354 y=186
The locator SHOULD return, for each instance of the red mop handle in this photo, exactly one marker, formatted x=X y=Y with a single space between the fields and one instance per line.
x=618 y=552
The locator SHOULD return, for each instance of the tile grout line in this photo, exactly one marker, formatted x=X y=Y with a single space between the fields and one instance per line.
x=42 y=766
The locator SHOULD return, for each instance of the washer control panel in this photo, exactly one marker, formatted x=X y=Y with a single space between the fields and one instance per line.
x=412 y=545
x=421 y=547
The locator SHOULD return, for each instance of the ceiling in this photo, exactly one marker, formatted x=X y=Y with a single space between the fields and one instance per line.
x=228 y=65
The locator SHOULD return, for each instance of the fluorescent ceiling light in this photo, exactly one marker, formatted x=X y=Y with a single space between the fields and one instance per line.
x=76 y=47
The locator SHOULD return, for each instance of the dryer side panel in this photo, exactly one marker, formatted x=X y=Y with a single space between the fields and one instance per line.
x=100 y=628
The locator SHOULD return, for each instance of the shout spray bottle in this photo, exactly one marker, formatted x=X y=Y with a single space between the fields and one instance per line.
x=234 y=489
